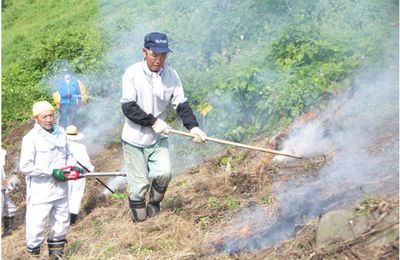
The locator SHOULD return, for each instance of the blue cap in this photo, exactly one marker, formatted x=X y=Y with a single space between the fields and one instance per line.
x=157 y=42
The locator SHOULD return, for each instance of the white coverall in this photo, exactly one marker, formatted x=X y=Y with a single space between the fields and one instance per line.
x=42 y=152
x=76 y=188
x=8 y=208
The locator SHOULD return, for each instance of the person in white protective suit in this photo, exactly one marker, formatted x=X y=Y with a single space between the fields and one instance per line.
x=8 y=208
x=44 y=156
x=77 y=188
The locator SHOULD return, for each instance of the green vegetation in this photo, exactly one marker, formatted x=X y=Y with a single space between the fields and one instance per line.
x=74 y=246
x=247 y=66
x=118 y=195
x=38 y=38
x=167 y=245
x=213 y=203
x=107 y=250
x=139 y=248
x=204 y=222
x=96 y=228
x=232 y=202
x=229 y=203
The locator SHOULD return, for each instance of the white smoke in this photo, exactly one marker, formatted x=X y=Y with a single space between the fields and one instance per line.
x=116 y=184
x=307 y=141
x=104 y=117
x=360 y=131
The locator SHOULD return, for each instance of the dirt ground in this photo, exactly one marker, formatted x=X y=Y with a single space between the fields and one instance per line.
x=196 y=209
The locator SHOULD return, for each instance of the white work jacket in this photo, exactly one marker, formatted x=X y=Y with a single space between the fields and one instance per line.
x=76 y=188
x=3 y=154
x=80 y=154
x=42 y=152
x=153 y=93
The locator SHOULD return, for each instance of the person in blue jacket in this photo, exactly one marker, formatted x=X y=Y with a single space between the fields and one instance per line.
x=70 y=98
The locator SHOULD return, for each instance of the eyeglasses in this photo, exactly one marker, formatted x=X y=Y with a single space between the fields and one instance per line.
x=160 y=56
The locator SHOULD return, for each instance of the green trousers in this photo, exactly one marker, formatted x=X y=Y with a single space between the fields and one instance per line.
x=144 y=164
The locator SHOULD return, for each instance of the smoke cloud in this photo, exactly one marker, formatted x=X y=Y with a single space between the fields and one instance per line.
x=350 y=129
x=360 y=132
x=364 y=154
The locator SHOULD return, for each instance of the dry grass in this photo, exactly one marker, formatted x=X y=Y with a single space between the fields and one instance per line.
x=193 y=205
x=195 y=213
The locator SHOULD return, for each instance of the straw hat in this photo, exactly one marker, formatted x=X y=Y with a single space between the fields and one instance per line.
x=73 y=134
x=40 y=107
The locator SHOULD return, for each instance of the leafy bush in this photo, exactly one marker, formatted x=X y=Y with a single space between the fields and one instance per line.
x=256 y=64
x=288 y=61
x=35 y=47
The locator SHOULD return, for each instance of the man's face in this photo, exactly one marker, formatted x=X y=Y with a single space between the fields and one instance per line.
x=67 y=76
x=155 y=61
x=45 y=120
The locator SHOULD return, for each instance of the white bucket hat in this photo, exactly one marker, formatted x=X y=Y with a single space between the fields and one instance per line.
x=73 y=134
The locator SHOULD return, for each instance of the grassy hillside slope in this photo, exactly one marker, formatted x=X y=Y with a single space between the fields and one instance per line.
x=38 y=38
x=253 y=63
x=224 y=209
x=248 y=67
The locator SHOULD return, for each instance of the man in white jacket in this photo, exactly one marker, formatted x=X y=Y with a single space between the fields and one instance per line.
x=149 y=88
x=76 y=188
x=8 y=208
x=44 y=153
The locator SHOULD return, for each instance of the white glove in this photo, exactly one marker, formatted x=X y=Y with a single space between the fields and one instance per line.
x=160 y=127
x=200 y=135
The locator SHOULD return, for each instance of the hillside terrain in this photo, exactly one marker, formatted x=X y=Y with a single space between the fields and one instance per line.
x=208 y=212
x=314 y=78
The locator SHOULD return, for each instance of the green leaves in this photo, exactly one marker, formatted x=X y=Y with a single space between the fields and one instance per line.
x=258 y=64
x=118 y=195
x=309 y=69
x=36 y=46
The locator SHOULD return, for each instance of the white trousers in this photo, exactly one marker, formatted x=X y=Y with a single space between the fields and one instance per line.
x=8 y=208
x=58 y=216
x=75 y=194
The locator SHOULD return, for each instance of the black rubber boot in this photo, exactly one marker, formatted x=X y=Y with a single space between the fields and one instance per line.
x=156 y=196
x=8 y=226
x=56 y=249
x=138 y=210
x=33 y=252
x=72 y=218
x=153 y=208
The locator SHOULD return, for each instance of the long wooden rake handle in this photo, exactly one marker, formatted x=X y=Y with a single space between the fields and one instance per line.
x=237 y=144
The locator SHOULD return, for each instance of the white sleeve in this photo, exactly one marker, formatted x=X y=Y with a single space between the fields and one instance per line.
x=128 y=88
x=27 y=160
